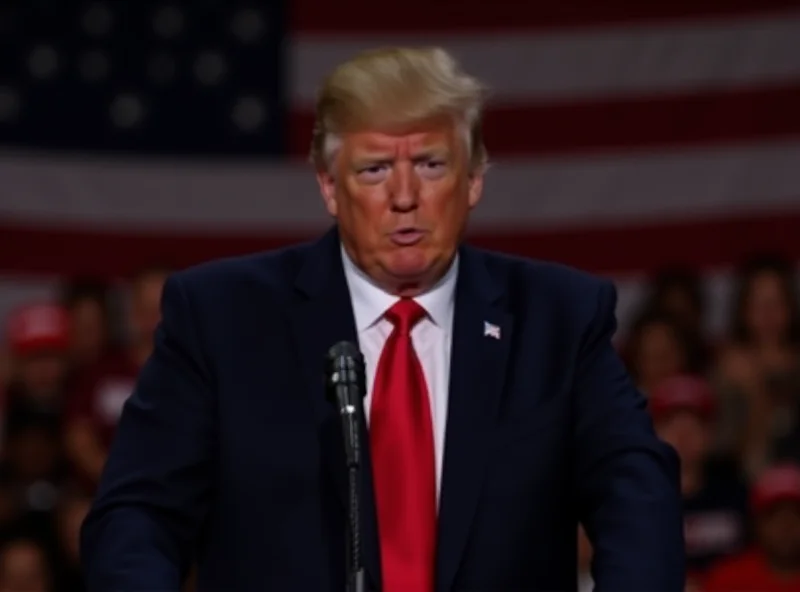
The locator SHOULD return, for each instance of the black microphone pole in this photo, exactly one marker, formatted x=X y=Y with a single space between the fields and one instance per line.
x=346 y=387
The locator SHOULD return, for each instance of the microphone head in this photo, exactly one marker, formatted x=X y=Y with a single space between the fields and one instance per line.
x=344 y=349
x=344 y=367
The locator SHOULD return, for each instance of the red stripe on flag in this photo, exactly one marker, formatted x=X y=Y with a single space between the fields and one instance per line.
x=448 y=16
x=643 y=247
x=661 y=120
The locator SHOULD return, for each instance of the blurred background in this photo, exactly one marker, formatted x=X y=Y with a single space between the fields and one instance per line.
x=656 y=143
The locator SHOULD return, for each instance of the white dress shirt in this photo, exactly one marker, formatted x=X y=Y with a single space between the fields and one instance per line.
x=432 y=338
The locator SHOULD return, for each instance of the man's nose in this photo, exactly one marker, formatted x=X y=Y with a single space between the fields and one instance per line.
x=404 y=188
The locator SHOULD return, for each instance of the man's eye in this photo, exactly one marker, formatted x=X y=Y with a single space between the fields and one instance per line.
x=373 y=173
x=373 y=169
x=432 y=168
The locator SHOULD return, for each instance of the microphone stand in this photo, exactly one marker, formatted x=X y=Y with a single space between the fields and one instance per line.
x=355 y=570
x=346 y=387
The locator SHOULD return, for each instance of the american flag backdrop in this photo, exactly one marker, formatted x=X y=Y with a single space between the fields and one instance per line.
x=624 y=135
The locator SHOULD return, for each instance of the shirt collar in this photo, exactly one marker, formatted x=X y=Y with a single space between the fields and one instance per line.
x=371 y=302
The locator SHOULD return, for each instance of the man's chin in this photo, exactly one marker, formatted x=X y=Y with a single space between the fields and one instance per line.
x=411 y=280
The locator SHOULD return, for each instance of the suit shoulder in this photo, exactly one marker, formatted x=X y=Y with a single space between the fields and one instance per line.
x=559 y=280
x=272 y=269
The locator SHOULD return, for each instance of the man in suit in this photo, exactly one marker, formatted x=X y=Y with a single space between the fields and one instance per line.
x=498 y=413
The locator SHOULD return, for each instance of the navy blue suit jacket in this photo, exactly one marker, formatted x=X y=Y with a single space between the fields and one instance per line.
x=228 y=454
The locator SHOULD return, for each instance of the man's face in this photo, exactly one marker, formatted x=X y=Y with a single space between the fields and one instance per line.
x=402 y=201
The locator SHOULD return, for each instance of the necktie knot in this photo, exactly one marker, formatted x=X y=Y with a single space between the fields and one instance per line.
x=404 y=314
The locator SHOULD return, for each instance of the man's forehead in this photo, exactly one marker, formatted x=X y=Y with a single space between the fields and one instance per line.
x=366 y=142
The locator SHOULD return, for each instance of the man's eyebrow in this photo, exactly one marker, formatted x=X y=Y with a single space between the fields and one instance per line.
x=372 y=159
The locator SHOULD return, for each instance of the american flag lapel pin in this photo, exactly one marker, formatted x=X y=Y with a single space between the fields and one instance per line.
x=491 y=330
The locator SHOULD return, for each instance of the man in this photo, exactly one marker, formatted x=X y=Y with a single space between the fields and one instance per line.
x=499 y=414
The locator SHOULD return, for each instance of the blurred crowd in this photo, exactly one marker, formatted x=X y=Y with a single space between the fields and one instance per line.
x=71 y=364
x=729 y=405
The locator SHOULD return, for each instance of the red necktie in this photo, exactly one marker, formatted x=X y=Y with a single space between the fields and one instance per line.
x=402 y=453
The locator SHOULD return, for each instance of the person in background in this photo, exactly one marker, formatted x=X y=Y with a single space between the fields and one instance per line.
x=774 y=564
x=714 y=501
x=759 y=369
x=6 y=371
x=678 y=292
x=70 y=514
x=87 y=303
x=34 y=473
x=96 y=402
x=585 y=580
x=24 y=567
x=657 y=348
x=38 y=337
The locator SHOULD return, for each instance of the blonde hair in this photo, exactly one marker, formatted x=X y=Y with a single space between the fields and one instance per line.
x=394 y=88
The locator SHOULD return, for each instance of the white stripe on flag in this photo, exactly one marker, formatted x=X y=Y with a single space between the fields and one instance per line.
x=533 y=193
x=591 y=63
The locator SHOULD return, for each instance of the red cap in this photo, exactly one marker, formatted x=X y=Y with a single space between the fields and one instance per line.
x=38 y=327
x=682 y=393
x=776 y=484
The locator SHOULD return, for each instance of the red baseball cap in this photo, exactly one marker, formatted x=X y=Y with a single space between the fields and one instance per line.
x=38 y=327
x=776 y=484
x=682 y=393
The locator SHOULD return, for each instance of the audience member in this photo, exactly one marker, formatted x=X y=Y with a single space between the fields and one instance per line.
x=678 y=292
x=24 y=567
x=38 y=338
x=774 y=564
x=70 y=513
x=759 y=369
x=585 y=580
x=88 y=305
x=658 y=348
x=97 y=400
x=6 y=371
x=715 y=500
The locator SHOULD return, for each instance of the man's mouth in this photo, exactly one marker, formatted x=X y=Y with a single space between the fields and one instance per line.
x=405 y=237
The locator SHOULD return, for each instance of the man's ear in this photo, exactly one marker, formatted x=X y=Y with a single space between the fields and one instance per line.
x=476 y=186
x=327 y=188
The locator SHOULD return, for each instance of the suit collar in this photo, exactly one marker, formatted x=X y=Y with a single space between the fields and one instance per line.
x=478 y=368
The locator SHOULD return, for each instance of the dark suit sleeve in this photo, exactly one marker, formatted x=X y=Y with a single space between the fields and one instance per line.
x=626 y=478
x=154 y=492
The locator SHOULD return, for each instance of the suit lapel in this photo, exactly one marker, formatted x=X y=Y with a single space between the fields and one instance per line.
x=481 y=346
x=322 y=315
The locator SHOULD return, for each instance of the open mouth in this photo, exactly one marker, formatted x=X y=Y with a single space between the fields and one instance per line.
x=407 y=236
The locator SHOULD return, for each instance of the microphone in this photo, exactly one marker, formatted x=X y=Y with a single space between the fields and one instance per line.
x=345 y=387
x=345 y=379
